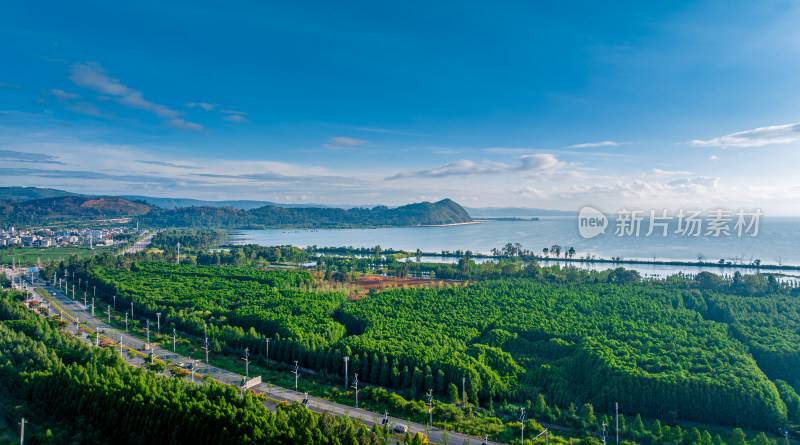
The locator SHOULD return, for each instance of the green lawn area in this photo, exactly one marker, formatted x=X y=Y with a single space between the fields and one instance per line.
x=30 y=255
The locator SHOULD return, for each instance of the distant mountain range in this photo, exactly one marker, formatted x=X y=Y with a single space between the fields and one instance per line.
x=34 y=206
x=36 y=193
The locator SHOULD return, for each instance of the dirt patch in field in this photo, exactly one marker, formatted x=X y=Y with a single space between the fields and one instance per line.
x=379 y=282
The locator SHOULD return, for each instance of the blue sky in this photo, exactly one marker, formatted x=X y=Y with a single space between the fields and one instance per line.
x=649 y=104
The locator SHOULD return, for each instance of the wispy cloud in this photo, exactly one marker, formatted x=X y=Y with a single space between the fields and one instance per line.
x=344 y=142
x=385 y=131
x=183 y=125
x=93 y=76
x=63 y=95
x=776 y=134
x=11 y=86
x=241 y=113
x=660 y=172
x=236 y=118
x=594 y=144
x=168 y=164
x=529 y=163
x=19 y=156
x=204 y=105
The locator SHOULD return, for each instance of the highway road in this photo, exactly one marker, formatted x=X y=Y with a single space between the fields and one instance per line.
x=72 y=309
x=139 y=245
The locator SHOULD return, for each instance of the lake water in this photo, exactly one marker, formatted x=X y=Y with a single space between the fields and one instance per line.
x=778 y=240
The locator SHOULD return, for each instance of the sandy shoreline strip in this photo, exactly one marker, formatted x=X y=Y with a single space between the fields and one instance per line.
x=453 y=224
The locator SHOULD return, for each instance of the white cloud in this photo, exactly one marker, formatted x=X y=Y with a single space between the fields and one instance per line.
x=660 y=172
x=136 y=100
x=343 y=143
x=63 y=95
x=234 y=112
x=594 y=144
x=700 y=181
x=183 y=125
x=204 y=105
x=776 y=134
x=236 y=118
x=713 y=158
x=93 y=76
x=529 y=163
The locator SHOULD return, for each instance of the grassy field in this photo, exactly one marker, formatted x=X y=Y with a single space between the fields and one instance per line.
x=30 y=255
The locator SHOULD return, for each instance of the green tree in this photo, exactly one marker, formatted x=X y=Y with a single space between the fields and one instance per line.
x=656 y=429
x=452 y=393
x=737 y=437
x=637 y=426
x=588 y=419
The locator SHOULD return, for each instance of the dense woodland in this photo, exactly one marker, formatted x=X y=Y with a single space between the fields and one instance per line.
x=73 y=393
x=75 y=208
x=703 y=348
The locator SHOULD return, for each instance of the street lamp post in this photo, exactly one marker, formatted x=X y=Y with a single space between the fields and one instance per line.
x=346 y=382
x=430 y=407
x=247 y=363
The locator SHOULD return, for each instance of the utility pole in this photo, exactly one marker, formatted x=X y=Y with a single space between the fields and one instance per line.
x=192 y=370
x=355 y=386
x=73 y=291
x=605 y=433
x=126 y=322
x=158 y=322
x=96 y=336
x=148 y=333
x=616 y=408
x=247 y=364
x=205 y=332
x=84 y=301
x=131 y=309
x=174 y=336
x=267 y=339
x=464 y=391
x=346 y=380
x=522 y=425
x=92 y=306
x=296 y=373
x=178 y=258
x=22 y=431
x=108 y=312
x=120 y=344
x=430 y=407
x=94 y=291
x=115 y=302
x=546 y=436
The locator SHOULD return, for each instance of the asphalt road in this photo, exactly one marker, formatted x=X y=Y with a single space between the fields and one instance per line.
x=74 y=309
x=139 y=245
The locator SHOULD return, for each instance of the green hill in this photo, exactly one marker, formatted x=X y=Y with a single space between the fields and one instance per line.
x=26 y=193
x=73 y=207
